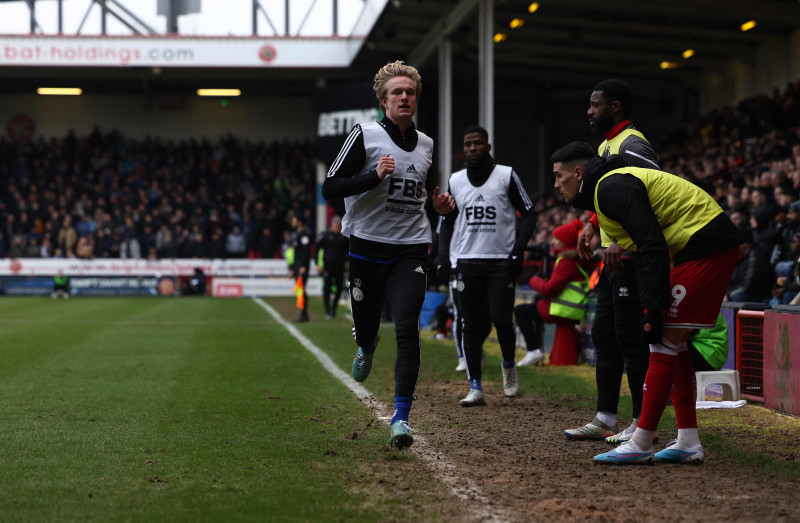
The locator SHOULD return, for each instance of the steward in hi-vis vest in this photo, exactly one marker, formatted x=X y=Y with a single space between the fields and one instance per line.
x=571 y=302
x=561 y=298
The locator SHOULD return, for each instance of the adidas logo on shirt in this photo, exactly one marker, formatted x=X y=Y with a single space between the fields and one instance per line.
x=411 y=169
x=480 y=198
x=623 y=291
x=420 y=270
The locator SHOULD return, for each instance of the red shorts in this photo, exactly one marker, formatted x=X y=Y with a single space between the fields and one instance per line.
x=698 y=288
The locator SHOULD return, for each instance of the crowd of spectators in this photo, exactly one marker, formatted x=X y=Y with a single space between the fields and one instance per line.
x=748 y=157
x=103 y=196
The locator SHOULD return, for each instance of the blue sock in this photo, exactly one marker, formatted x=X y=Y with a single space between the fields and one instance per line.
x=475 y=383
x=402 y=406
x=508 y=364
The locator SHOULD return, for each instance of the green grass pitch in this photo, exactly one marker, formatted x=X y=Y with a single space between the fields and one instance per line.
x=176 y=409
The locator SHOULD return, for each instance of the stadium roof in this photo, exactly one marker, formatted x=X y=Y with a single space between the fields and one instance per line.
x=565 y=43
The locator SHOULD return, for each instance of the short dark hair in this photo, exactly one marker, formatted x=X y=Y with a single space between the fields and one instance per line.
x=741 y=208
x=617 y=91
x=573 y=152
x=477 y=129
x=763 y=190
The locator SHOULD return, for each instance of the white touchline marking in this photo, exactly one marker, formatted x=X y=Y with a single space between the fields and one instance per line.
x=463 y=488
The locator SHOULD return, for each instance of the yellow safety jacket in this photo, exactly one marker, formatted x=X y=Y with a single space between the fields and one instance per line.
x=606 y=149
x=681 y=208
x=571 y=302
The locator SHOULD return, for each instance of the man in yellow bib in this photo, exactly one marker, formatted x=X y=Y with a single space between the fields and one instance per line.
x=615 y=330
x=665 y=220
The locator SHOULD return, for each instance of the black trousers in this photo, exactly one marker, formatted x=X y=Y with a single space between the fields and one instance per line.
x=332 y=279
x=458 y=317
x=485 y=288
x=698 y=361
x=530 y=323
x=616 y=336
x=458 y=328
x=403 y=283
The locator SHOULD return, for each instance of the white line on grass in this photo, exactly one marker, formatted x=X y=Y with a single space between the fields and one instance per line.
x=464 y=488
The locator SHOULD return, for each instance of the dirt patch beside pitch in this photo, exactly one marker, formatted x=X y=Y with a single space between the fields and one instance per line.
x=515 y=451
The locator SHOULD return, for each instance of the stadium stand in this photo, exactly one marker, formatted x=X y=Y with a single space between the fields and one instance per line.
x=105 y=196
x=748 y=157
x=108 y=196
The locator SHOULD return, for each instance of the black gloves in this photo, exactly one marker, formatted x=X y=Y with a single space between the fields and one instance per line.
x=443 y=269
x=514 y=265
x=652 y=326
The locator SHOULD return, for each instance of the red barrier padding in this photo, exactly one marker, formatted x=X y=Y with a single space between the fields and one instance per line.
x=782 y=361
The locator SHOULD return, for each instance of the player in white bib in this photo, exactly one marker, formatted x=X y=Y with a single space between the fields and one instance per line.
x=489 y=250
x=382 y=173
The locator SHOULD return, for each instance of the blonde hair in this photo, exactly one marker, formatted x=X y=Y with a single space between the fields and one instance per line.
x=389 y=71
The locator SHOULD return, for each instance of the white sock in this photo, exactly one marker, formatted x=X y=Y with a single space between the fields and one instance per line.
x=643 y=438
x=688 y=438
x=632 y=426
x=607 y=418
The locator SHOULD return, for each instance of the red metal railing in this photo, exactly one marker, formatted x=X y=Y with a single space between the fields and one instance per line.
x=750 y=353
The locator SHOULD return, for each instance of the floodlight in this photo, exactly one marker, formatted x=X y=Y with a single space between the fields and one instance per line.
x=517 y=22
x=688 y=53
x=499 y=37
x=219 y=92
x=533 y=7
x=748 y=25
x=61 y=91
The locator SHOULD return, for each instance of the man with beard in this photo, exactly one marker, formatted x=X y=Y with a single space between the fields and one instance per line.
x=686 y=249
x=615 y=331
x=489 y=250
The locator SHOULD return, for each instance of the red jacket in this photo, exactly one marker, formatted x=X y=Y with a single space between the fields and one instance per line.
x=565 y=271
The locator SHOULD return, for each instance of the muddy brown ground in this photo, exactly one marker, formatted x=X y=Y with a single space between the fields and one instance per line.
x=515 y=451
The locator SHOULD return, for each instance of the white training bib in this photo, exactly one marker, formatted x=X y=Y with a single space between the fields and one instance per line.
x=394 y=211
x=485 y=227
